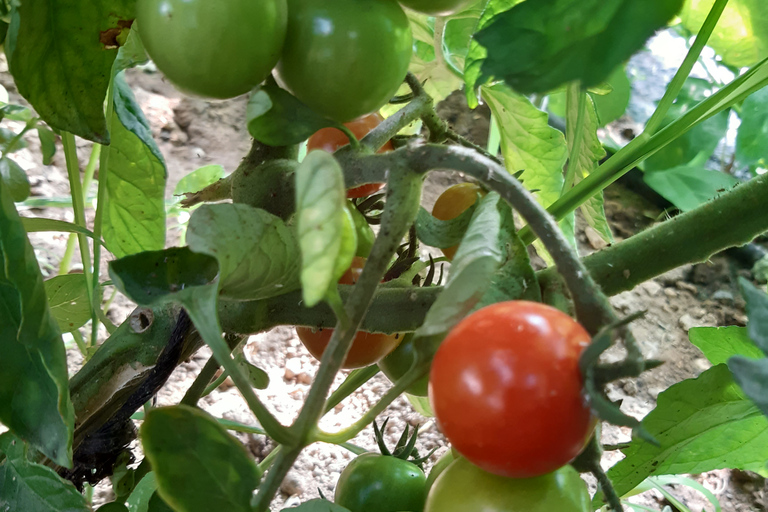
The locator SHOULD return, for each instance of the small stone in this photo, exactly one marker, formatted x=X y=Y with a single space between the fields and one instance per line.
x=291 y=485
x=289 y=375
x=682 y=285
x=293 y=501
x=670 y=292
x=304 y=378
x=723 y=295
x=630 y=387
x=594 y=238
x=686 y=322
x=652 y=288
x=701 y=363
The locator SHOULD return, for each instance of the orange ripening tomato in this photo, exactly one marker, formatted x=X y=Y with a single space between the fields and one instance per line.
x=452 y=203
x=367 y=347
x=506 y=389
x=331 y=139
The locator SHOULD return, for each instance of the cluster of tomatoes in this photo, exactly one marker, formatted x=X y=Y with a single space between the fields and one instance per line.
x=344 y=58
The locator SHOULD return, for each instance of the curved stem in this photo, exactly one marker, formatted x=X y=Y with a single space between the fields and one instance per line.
x=200 y=384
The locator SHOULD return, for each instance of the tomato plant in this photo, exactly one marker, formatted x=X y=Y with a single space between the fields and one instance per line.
x=437 y=7
x=521 y=383
x=454 y=201
x=249 y=41
x=345 y=58
x=399 y=361
x=367 y=347
x=331 y=139
x=463 y=486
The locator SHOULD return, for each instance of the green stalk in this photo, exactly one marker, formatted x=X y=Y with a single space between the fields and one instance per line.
x=76 y=191
x=647 y=143
x=98 y=219
x=66 y=260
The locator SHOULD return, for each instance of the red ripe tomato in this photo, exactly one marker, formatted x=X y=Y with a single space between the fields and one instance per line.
x=506 y=389
x=331 y=139
x=367 y=348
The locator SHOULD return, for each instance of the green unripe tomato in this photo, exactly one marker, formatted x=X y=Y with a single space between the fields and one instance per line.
x=217 y=49
x=269 y=186
x=345 y=58
x=440 y=466
x=381 y=483
x=437 y=7
x=399 y=361
x=463 y=487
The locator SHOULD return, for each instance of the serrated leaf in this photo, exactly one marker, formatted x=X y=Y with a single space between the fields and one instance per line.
x=321 y=219
x=318 y=505
x=277 y=118
x=134 y=217
x=29 y=487
x=689 y=186
x=257 y=253
x=701 y=424
x=537 y=46
x=60 y=55
x=442 y=233
x=474 y=265
x=752 y=377
x=752 y=137
x=199 y=179
x=15 y=178
x=757 y=312
x=741 y=34
x=476 y=53
x=590 y=153
x=720 y=343
x=68 y=301
x=34 y=388
x=47 y=144
x=198 y=466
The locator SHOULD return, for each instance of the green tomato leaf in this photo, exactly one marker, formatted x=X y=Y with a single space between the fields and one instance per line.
x=439 y=80
x=199 y=179
x=31 y=487
x=421 y=405
x=689 y=186
x=322 y=219
x=199 y=467
x=752 y=376
x=474 y=265
x=47 y=144
x=701 y=424
x=741 y=34
x=516 y=279
x=612 y=105
x=365 y=235
x=702 y=139
x=752 y=137
x=259 y=378
x=37 y=225
x=15 y=179
x=134 y=218
x=68 y=301
x=591 y=151
x=537 y=46
x=720 y=343
x=476 y=54
x=158 y=504
x=277 y=118
x=443 y=233
x=138 y=501
x=60 y=56
x=256 y=251
x=757 y=312
x=34 y=388
x=132 y=53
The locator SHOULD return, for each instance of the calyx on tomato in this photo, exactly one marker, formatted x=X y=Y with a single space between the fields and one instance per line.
x=331 y=139
x=506 y=388
x=384 y=483
x=345 y=58
x=367 y=348
x=248 y=42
